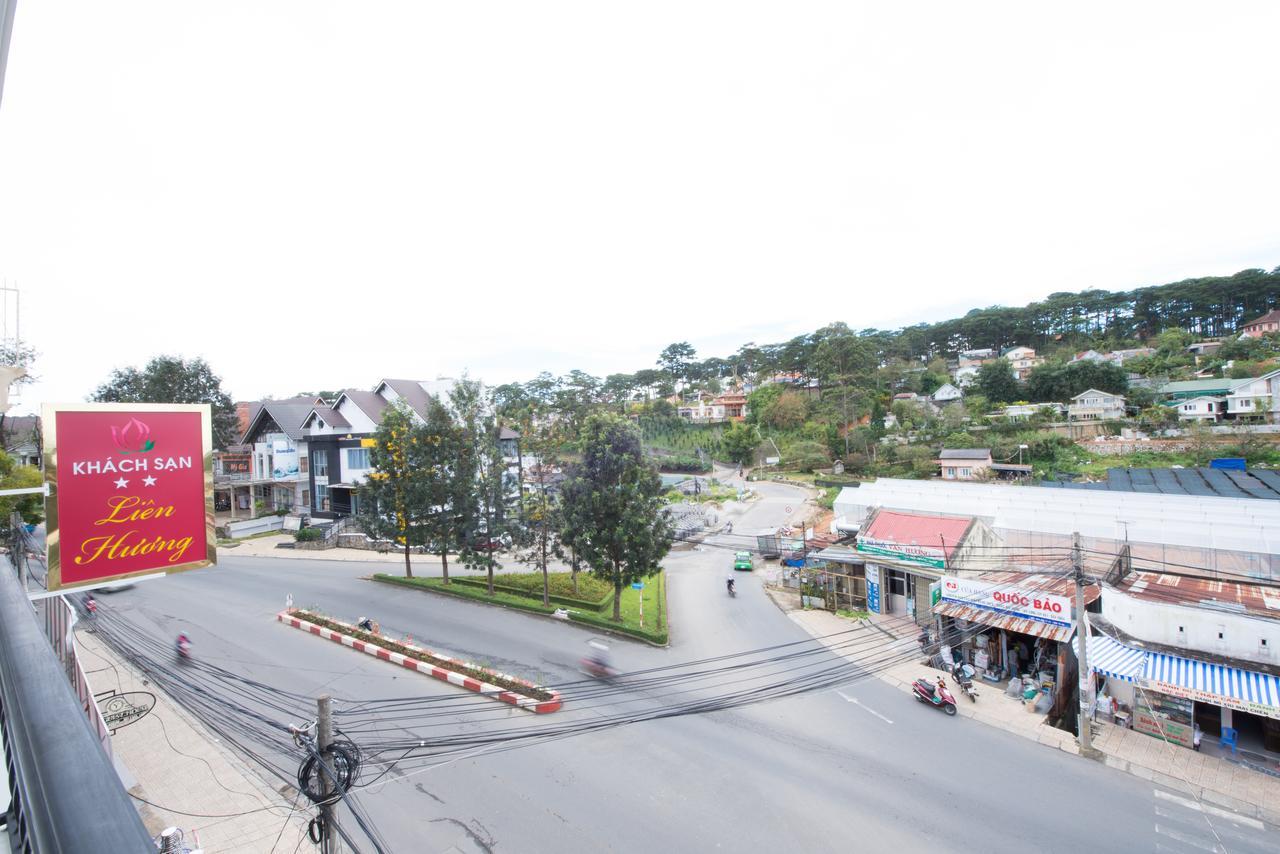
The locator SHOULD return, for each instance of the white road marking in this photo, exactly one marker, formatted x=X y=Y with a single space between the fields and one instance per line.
x=1221 y=813
x=1185 y=839
x=854 y=700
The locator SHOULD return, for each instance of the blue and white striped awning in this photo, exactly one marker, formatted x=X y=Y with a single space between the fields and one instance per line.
x=1243 y=686
x=1111 y=658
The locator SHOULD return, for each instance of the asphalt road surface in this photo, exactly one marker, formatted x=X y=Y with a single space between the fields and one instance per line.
x=857 y=766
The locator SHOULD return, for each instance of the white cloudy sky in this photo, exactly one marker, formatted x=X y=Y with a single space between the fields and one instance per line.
x=317 y=194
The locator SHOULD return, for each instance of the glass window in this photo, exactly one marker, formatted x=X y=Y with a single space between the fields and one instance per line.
x=320 y=463
x=358 y=458
x=322 y=497
x=304 y=463
x=897 y=584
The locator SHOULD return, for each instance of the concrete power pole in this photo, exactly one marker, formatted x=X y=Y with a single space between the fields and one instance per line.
x=1084 y=725
x=324 y=737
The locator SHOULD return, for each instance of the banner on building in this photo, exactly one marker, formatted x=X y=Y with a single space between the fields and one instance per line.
x=130 y=491
x=284 y=461
x=1007 y=599
x=924 y=555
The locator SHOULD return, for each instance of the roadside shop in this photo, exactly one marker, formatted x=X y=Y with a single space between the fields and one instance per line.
x=1014 y=622
x=906 y=555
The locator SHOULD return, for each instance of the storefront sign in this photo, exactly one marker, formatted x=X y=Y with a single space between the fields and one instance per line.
x=238 y=464
x=1161 y=727
x=1212 y=699
x=131 y=491
x=284 y=461
x=120 y=710
x=1007 y=599
x=923 y=555
x=935 y=593
x=873 y=588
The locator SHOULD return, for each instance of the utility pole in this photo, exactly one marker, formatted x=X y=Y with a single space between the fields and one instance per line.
x=1084 y=724
x=324 y=737
x=18 y=548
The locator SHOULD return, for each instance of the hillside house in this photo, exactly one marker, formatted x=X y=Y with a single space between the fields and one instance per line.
x=1095 y=405
x=1265 y=325
x=964 y=463
x=1203 y=408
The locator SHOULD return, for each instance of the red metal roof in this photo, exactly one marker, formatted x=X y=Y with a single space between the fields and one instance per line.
x=914 y=529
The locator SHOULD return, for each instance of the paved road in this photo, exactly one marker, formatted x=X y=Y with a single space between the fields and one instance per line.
x=818 y=772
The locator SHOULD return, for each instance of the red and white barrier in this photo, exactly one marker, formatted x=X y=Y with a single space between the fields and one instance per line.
x=452 y=677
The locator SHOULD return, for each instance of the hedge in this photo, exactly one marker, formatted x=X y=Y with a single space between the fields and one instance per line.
x=567 y=601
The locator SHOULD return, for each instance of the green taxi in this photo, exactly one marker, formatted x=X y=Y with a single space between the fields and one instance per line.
x=742 y=560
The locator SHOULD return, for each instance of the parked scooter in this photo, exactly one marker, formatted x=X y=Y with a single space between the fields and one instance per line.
x=963 y=675
x=924 y=691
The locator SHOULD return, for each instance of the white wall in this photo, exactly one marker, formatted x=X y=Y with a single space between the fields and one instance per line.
x=1161 y=622
x=360 y=423
x=350 y=475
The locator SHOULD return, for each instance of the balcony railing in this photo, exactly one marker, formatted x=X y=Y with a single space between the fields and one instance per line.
x=65 y=795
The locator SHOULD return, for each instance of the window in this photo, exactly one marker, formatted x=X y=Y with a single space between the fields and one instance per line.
x=304 y=499
x=320 y=463
x=304 y=463
x=951 y=472
x=358 y=458
x=322 y=496
x=966 y=472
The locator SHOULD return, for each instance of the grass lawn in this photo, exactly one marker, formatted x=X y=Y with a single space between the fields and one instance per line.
x=654 y=630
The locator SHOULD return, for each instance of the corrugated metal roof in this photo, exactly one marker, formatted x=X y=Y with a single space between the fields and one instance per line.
x=1035 y=628
x=1232 y=596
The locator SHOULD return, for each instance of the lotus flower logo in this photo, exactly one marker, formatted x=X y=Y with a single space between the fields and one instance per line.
x=133 y=438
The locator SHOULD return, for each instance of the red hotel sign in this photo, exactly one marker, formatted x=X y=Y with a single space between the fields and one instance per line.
x=131 y=491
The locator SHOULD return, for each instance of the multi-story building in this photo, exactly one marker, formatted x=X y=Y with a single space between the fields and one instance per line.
x=1022 y=360
x=1094 y=405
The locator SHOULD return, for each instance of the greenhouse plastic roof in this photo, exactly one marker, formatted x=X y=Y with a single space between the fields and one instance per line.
x=1197 y=521
x=1256 y=483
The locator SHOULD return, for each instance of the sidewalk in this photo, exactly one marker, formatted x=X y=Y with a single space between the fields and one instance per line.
x=1214 y=780
x=219 y=802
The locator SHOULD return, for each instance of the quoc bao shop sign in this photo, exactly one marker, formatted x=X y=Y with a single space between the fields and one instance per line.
x=131 y=491
x=1007 y=599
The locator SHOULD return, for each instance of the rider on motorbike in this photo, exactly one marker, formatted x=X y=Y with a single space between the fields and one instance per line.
x=184 y=645
x=729 y=584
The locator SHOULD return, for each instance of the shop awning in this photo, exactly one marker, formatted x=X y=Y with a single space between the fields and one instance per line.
x=1111 y=658
x=342 y=486
x=1035 y=628
x=1249 y=689
x=839 y=554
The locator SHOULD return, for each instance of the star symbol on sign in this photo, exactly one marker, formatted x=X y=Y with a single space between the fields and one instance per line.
x=121 y=483
x=148 y=481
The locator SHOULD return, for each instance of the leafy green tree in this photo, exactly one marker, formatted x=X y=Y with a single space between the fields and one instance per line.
x=172 y=379
x=1058 y=383
x=489 y=522
x=995 y=381
x=537 y=539
x=612 y=500
x=842 y=359
x=14 y=476
x=806 y=456
x=760 y=400
x=447 y=472
x=394 y=498
x=740 y=442
x=787 y=412
x=676 y=360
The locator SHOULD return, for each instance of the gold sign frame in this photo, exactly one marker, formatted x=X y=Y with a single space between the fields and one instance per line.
x=49 y=427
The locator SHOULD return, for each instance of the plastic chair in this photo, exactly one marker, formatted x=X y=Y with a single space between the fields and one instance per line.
x=1228 y=738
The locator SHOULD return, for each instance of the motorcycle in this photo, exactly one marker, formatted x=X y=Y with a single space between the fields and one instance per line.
x=963 y=676
x=184 y=651
x=923 y=690
x=598 y=669
x=732 y=590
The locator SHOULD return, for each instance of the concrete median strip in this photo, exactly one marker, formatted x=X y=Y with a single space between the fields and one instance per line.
x=444 y=674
